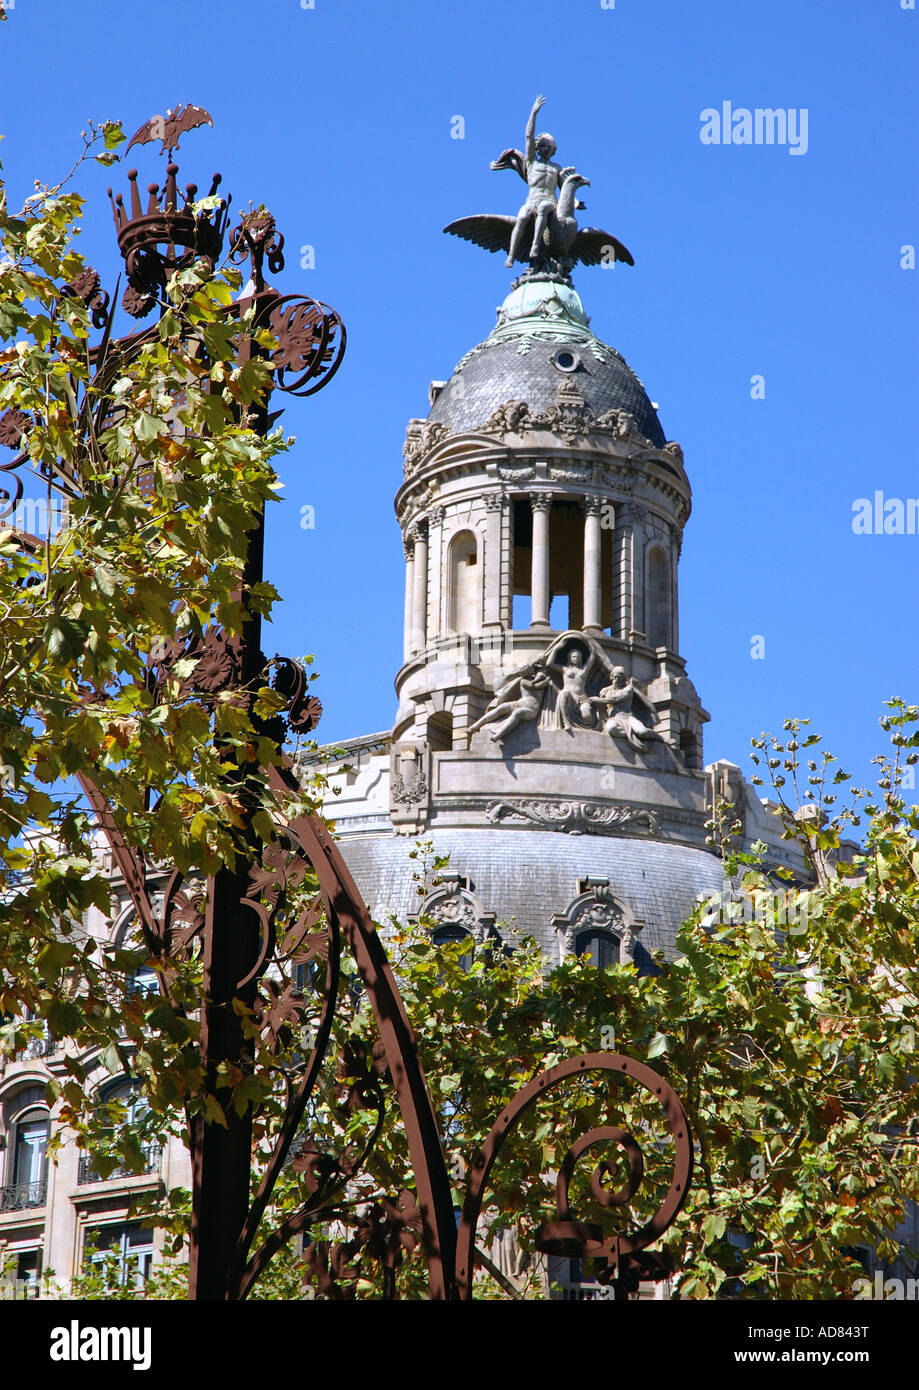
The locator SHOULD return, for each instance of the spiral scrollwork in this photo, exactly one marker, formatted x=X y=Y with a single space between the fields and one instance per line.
x=311 y=343
x=568 y=1236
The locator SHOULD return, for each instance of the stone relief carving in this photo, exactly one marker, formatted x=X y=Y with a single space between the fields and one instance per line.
x=596 y=910
x=570 y=416
x=420 y=437
x=572 y=705
x=516 y=471
x=626 y=711
x=571 y=472
x=517 y=701
x=574 y=817
x=560 y=689
x=622 y=424
x=419 y=501
x=507 y=418
x=409 y=791
x=454 y=905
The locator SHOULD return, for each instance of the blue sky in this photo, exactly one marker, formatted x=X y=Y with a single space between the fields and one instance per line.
x=750 y=260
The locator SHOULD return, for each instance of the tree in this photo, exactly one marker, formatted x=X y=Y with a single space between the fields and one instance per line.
x=786 y=1025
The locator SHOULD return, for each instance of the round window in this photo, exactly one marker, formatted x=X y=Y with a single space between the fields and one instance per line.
x=566 y=360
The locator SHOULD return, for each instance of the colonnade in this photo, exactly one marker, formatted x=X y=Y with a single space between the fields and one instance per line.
x=598 y=513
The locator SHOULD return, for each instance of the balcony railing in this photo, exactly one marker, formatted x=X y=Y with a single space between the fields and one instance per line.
x=19 y=1196
x=152 y=1155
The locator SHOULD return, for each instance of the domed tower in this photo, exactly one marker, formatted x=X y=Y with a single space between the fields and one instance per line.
x=547 y=736
x=542 y=515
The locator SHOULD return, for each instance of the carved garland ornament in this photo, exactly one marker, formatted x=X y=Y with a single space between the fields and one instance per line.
x=574 y=817
x=570 y=417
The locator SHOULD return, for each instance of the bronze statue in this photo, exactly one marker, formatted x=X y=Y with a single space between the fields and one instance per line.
x=544 y=232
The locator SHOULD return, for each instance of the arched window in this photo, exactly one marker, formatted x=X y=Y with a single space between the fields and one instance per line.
x=124 y=1105
x=601 y=946
x=143 y=979
x=658 y=598
x=689 y=747
x=440 y=732
x=463 y=583
x=126 y=1101
x=446 y=935
x=28 y=1125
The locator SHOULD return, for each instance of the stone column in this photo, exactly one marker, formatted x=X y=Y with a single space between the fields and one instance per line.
x=541 y=503
x=592 y=556
x=676 y=541
x=408 y=645
x=420 y=579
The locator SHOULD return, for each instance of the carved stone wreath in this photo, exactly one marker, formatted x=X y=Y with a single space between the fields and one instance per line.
x=409 y=792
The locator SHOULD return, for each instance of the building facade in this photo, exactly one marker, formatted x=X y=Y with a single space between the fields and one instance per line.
x=58 y=1214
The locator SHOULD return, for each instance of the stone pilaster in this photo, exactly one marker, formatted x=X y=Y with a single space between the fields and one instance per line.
x=622 y=562
x=493 y=558
x=436 y=595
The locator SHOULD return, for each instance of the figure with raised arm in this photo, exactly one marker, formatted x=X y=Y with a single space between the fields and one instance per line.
x=544 y=232
x=573 y=707
x=544 y=179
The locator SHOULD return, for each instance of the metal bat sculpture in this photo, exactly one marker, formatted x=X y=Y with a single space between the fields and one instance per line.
x=168 y=128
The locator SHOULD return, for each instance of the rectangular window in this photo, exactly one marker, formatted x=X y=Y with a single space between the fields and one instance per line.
x=126 y=1251
x=28 y=1273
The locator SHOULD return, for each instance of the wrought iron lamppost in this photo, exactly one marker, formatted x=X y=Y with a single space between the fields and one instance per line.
x=311 y=344
x=242 y=923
